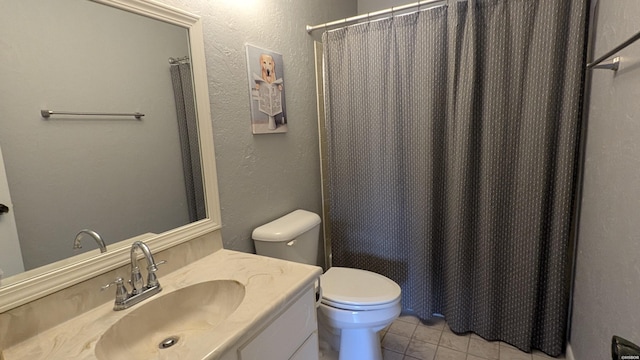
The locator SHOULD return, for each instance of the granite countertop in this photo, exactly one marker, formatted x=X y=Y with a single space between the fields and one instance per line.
x=270 y=284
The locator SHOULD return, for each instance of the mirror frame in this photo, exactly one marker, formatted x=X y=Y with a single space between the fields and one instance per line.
x=48 y=279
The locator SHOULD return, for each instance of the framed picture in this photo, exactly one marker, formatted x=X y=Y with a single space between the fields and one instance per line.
x=266 y=91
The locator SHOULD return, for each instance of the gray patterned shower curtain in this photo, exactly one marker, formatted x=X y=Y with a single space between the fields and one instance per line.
x=188 y=132
x=452 y=142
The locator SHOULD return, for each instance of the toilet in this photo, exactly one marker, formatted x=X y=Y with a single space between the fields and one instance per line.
x=355 y=303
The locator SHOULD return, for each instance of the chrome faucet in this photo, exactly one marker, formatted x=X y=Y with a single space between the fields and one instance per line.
x=139 y=291
x=94 y=235
x=152 y=267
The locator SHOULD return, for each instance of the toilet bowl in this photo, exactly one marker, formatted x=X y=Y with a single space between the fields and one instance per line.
x=355 y=304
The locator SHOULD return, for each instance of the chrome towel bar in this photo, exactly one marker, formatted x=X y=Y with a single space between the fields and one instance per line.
x=615 y=63
x=47 y=113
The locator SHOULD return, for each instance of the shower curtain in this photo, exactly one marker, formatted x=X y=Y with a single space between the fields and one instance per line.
x=452 y=139
x=188 y=132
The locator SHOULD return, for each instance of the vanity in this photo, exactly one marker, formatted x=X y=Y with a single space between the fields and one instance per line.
x=233 y=306
x=214 y=303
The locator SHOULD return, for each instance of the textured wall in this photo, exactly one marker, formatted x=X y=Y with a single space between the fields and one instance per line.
x=365 y=6
x=262 y=177
x=607 y=282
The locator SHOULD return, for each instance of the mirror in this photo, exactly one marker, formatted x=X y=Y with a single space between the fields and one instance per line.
x=123 y=177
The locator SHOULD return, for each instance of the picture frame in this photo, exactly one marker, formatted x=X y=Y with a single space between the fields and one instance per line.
x=265 y=71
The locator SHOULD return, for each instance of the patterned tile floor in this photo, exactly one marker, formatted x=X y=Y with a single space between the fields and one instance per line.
x=409 y=339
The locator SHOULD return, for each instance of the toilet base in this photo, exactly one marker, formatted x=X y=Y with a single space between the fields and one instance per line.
x=359 y=344
x=354 y=334
x=349 y=344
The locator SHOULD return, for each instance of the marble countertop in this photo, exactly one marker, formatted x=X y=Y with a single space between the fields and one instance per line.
x=270 y=284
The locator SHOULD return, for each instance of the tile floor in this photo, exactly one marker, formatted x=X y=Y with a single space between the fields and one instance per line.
x=409 y=339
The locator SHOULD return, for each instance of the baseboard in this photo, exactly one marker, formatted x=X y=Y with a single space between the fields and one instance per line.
x=569 y=353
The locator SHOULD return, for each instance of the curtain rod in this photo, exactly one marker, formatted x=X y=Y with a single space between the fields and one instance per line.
x=176 y=61
x=369 y=15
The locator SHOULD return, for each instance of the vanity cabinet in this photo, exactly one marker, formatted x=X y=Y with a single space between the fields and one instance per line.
x=275 y=319
x=292 y=335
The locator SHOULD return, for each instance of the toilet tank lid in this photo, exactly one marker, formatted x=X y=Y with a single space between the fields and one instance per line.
x=288 y=227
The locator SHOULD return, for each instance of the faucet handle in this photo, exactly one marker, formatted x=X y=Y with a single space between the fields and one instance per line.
x=121 y=290
x=152 y=279
x=154 y=267
x=117 y=281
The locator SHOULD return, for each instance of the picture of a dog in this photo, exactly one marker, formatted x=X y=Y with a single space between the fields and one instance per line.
x=268 y=67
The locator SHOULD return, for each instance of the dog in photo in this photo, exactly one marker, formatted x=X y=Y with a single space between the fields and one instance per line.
x=268 y=67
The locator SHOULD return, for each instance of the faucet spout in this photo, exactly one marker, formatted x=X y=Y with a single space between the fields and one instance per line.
x=94 y=235
x=147 y=254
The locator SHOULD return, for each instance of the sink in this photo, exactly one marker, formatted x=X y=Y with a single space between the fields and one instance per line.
x=163 y=327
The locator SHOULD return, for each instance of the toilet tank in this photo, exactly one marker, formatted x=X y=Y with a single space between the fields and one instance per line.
x=293 y=237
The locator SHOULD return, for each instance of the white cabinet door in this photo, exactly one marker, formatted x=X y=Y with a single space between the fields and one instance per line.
x=308 y=350
x=285 y=335
x=10 y=255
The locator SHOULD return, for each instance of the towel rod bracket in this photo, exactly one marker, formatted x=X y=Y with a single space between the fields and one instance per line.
x=613 y=64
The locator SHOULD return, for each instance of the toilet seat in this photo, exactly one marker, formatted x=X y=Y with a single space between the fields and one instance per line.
x=356 y=289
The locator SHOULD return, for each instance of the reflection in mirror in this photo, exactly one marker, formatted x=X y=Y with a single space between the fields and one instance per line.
x=118 y=176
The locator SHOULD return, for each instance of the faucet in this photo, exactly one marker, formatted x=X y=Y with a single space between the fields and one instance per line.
x=139 y=291
x=94 y=235
x=152 y=267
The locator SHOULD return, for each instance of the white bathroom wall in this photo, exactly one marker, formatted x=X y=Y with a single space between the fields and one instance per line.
x=606 y=299
x=262 y=177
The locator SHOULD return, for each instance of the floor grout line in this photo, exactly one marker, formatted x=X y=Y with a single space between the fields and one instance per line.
x=436 y=347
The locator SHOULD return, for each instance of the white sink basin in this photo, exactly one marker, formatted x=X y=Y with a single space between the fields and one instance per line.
x=162 y=327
